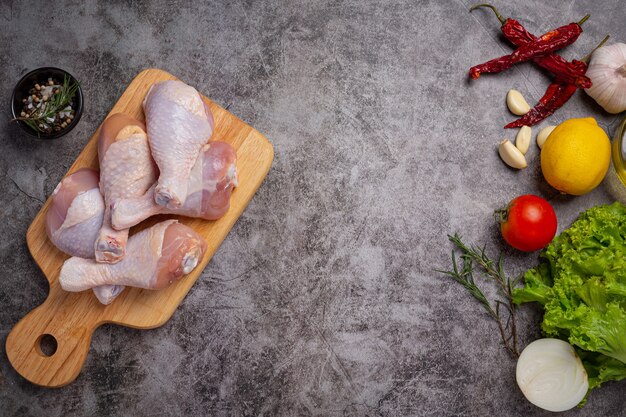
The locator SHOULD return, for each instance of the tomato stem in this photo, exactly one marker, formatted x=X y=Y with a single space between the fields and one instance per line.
x=501 y=215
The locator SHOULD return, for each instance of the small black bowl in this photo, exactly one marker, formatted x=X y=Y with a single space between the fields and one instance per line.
x=21 y=91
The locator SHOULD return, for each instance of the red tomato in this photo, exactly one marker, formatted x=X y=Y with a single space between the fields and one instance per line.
x=528 y=223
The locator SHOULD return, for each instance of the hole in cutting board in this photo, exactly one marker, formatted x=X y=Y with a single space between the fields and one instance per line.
x=46 y=345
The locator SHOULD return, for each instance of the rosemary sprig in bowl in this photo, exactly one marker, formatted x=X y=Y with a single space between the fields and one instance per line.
x=47 y=109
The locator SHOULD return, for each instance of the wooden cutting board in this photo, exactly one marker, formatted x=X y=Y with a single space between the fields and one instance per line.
x=71 y=318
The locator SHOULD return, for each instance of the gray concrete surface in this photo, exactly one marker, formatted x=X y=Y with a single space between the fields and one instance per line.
x=323 y=300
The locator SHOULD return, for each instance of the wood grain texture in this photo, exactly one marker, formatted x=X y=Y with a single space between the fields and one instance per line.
x=71 y=318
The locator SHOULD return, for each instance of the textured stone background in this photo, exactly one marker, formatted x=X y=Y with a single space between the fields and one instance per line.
x=322 y=301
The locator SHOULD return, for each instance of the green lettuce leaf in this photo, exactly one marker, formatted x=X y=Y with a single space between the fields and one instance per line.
x=581 y=284
x=537 y=286
x=601 y=368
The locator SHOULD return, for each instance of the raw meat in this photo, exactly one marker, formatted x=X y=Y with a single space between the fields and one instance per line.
x=156 y=258
x=179 y=124
x=126 y=170
x=74 y=218
x=211 y=182
x=75 y=214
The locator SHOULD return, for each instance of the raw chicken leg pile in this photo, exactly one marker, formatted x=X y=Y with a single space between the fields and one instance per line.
x=167 y=166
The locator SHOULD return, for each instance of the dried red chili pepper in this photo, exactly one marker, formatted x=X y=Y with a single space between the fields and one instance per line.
x=529 y=46
x=515 y=33
x=549 y=42
x=494 y=65
x=557 y=94
x=569 y=75
x=555 y=97
x=555 y=64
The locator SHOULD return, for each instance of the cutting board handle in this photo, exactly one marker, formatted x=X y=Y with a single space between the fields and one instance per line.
x=46 y=346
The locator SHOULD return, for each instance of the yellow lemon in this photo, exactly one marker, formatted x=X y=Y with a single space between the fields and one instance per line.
x=576 y=156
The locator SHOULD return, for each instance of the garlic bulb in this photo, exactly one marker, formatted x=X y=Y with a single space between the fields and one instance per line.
x=607 y=71
x=551 y=375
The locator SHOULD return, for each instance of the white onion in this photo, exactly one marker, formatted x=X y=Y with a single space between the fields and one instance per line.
x=551 y=375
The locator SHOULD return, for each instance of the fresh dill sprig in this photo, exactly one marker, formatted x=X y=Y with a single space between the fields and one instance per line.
x=471 y=256
x=56 y=104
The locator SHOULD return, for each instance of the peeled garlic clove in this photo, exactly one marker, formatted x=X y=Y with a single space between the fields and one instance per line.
x=516 y=103
x=551 y=375
x=522 y=140
x=511 y=156
x=543 y=135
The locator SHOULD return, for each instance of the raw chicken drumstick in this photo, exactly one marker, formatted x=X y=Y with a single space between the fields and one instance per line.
x=156 y=258
x=211 y=182
x=179 y=124
x=74 y=218
x=126 y=170
x=75 y=214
